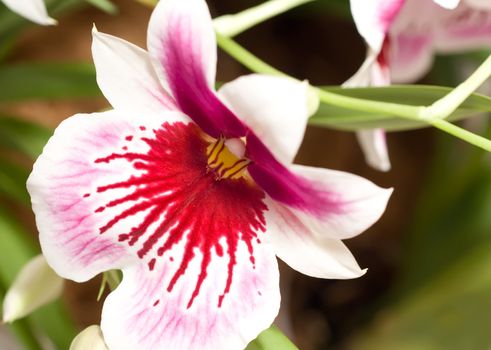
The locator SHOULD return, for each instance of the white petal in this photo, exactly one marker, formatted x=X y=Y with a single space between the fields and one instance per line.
x=448 y=4
x=356 y=202
x=363 y=76
x=372 y=142
x=64 y=187
x=374 y=71
x=464 y=29
x=373 y=19
x=89 y=339
x=182 y=41
x=35 y=285
x=33 y=10
x=479 y=4
x=143 y=314
x=126 y=76
x=310 y=253
x=275 y=108
x=374 y=146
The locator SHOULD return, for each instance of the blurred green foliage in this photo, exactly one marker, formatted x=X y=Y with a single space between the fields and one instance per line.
x=24 y=137
x=271 y=339
x=16 y=249
x=50 y=81
x=442 y=297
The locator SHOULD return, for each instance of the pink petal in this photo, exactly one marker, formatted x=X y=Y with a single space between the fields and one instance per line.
x=126 y=76
x=284 y=186
x=356 y=203
x=182 y=42
x=274 y=108
x=144 y=314
x=66 y=196
x=373 y=18
x=312 y=253
x=411 y=57
x=464 y=29
x=374 y=146
x=343 y=204
x=183 y=30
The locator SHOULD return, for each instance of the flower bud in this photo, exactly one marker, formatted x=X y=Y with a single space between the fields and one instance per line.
x=35 y=285
x=89 y=339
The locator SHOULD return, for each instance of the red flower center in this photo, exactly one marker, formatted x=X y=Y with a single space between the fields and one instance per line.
x=188 y=189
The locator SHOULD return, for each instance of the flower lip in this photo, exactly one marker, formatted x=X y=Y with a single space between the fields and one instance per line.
x=175 y=178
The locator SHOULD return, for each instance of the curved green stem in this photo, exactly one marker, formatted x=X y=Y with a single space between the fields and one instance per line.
x=462 y=134
x=445 y=106
x=245 y=57
x=257 y=65
x=231 y=25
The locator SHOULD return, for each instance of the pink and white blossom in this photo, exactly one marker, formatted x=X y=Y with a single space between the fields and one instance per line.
x=33 y=10
x=191 y=192
x=402 y=38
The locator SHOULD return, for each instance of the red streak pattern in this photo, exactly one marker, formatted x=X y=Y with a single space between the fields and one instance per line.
x=183 y=200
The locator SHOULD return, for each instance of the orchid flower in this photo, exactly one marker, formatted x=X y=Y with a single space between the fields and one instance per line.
x=402 y=37
x=191 y=192
x=33 y=10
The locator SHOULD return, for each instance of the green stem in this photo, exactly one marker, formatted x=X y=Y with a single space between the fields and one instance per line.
x=403 y=111
x=255 y=64
x=444 y=107
x=231 y=25
x=462 y=134
x=149 y=3
x=245 y=57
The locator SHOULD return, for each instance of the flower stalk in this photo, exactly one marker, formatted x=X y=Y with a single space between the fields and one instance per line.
x=444 y=107
x=232 y=25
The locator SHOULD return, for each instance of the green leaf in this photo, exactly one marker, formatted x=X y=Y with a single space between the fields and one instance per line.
x=452 y=312
x=104 y=5
x=23 y=136
x=416 y=95
x=16 y=248
x=271 y=339
x=13 y=182
x=47 y=81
